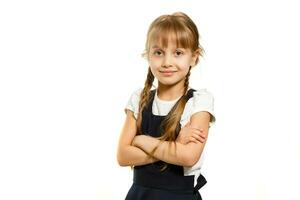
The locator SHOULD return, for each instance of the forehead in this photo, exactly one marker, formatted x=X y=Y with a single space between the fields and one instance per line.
x=169 y=46
x=169 y=39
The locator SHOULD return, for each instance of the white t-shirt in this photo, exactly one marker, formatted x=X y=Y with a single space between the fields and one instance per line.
x=202 y=100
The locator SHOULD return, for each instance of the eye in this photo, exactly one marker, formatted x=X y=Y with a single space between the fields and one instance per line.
x=158 y=52
x=178 y=53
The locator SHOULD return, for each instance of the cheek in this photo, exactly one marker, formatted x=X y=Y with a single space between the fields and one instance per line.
x=184 y=64
x=155 y=63
x=154 y=66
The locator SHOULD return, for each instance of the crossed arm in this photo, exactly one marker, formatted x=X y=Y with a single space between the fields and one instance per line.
x=134 y=150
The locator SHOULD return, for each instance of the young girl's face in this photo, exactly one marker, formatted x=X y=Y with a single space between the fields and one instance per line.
x=170 y=65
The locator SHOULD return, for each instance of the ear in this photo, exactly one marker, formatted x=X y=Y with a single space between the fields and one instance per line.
x=145 y=55
x=195 y=57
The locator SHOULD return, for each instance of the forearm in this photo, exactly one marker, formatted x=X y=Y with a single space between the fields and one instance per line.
x=133 y=156
x=166 y=151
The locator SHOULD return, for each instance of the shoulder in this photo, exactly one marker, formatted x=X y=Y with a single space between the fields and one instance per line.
x=201 y=100
x=203 y=95
x=202 y=92
x=133 y=101
x=135 y=95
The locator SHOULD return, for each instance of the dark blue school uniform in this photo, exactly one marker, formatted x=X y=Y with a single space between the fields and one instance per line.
x=149 y=182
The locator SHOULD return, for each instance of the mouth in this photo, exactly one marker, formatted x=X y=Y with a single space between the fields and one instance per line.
x=167 y=73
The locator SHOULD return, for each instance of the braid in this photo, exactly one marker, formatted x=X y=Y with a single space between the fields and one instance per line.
x=171 y=121
x=144 y=98
x=187 y=80
x=171 y=126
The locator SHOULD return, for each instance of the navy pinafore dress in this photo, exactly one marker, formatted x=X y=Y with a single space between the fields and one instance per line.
x=149 y=182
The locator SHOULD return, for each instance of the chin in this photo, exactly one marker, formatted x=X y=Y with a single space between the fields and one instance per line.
x=170 y=83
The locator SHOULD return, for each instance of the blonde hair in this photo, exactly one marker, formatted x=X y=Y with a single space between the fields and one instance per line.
x=180 y=28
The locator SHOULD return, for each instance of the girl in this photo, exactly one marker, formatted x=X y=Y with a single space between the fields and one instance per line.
x=166 y=129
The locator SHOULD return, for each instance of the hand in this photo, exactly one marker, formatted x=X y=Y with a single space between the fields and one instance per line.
x=189 y=134
x=136 y=139
x=137 y=142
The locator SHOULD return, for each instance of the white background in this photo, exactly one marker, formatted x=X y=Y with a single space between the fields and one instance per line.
x=68 y=68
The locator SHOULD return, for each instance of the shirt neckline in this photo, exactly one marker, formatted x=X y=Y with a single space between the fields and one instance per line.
x=156 y=98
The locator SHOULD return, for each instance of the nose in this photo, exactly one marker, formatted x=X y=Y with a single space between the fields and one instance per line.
x=168 y=60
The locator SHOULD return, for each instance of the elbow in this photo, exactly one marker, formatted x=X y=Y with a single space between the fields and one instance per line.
x=191 y=155
x=121 y=161
x=189 y=160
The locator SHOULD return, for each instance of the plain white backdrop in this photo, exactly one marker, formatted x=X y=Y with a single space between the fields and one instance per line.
x=68 y=68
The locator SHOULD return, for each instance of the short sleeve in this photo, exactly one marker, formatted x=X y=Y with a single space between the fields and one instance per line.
x=133 y=102
x=203 y=100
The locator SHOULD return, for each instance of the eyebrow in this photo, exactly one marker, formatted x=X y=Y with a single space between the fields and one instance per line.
x=155 y=46
x=158 y=47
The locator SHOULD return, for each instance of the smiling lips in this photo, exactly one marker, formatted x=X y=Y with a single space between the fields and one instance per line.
x=168 y=73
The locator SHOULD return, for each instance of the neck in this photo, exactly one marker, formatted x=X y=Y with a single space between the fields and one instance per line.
x=169 y=92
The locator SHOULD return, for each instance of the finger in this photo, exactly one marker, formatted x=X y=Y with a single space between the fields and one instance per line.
x=199 y=135
x=199 y=138
x=202 y=135
x=197 y=129
x=196 y=136
x=202 y=139
x=200 y=132
x=192 y=139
